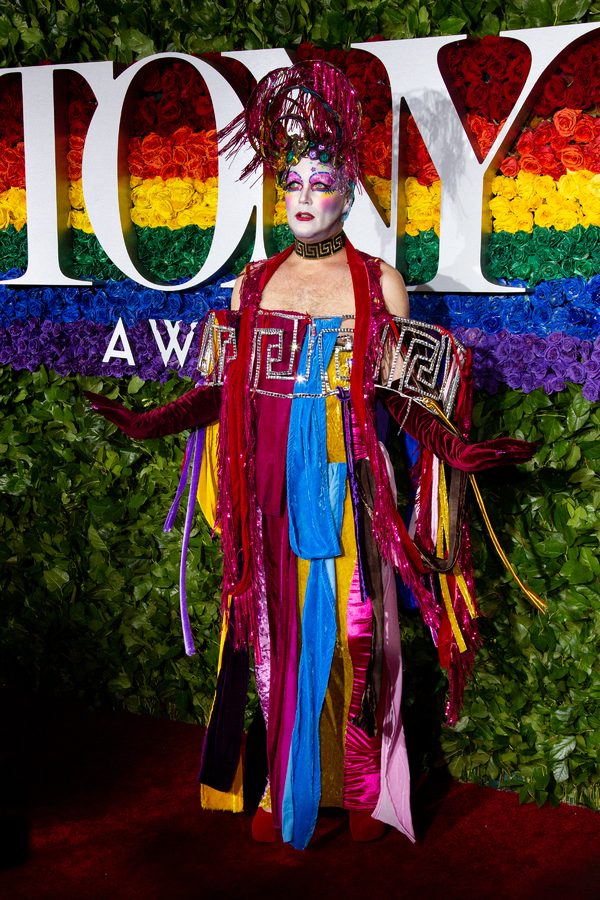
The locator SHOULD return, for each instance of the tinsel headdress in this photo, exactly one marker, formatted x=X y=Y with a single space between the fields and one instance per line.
x=309 y=109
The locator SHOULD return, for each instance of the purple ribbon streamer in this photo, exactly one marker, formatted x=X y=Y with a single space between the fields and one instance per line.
x=189 y=452
x=185 y=619
x=344 y=397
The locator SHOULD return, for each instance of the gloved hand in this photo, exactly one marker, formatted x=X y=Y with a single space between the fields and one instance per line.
x=431 y=433
x=196 y=408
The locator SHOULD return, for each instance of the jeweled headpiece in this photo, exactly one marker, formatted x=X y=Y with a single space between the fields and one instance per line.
x=309 y=109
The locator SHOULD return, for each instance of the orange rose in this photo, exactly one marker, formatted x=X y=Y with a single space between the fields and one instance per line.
x=565 y=121
x=510 y=167
x=572 y=158
x=584 y=130
x=531 y=165
x=151 y=144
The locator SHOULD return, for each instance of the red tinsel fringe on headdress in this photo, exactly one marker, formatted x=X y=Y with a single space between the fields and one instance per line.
x=307 y=109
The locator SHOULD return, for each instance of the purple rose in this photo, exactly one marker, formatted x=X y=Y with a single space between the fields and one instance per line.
x=576 y=373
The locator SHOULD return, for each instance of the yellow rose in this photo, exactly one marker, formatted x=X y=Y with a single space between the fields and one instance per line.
x=139 y=217
x=140 y=196
x=4 y=214
x=565 y=219
x=412 y=229
x=505 y=187
x=500 y=206
x=181 y=193
x=135 y=180
x=211 y=196
x=524 y=222
x=76 y=194
x=544 y=185
x=568 y=185
x=520 y=206
x=544 y=216
x=413 y=190
x=584 y=177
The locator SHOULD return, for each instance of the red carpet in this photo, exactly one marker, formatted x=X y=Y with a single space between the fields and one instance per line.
x=114 y=815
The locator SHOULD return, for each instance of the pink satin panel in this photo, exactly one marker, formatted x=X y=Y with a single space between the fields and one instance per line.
x=394 y=798
x=363 y=754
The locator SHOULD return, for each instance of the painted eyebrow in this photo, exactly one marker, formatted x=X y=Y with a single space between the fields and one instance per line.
x=321 y=176
x=291 y=175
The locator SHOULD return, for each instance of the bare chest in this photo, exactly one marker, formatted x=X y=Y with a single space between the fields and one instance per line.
x=319 y=294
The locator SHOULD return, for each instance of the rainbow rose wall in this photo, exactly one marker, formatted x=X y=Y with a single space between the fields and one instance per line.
x=82 y=507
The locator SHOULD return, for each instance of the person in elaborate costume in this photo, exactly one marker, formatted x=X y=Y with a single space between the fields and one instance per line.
x=298 y=380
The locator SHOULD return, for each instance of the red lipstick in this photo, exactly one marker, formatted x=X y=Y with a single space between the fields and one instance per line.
x=304 y=217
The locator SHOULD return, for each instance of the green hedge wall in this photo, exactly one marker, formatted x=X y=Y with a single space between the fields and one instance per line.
x=89 y=580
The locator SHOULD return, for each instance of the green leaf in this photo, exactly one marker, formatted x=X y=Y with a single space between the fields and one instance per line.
x=576 y=572
x=134 y=385
x=138 y=43
x=562 y=747
x=95 y=540
x=451 y=25
x=56 y=578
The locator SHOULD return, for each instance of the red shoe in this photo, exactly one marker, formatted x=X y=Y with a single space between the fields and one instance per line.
x=364 y=827
x=262 y=826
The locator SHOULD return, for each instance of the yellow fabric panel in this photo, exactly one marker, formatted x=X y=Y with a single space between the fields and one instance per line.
x=334 y=716
x=208 y=485
x=230 y=801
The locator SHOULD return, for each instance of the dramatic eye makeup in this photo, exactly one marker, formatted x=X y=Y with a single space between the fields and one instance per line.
x=322 y=182
x=293 y=182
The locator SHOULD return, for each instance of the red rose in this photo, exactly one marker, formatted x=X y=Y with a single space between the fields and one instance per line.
x=555 y=91
x=470 y=70
x=518 y=69
x=378 y=107
x=531 y=165
x=336 y=58
x=480 y=53
x=168 y=81
x=543 y=106
x=592 y=158
x=543 y=134
x=572 y=158
x=546 y=156
x=558 y=142
x=512 y=89
x=389 y=121
x=510 y=167
x=152 y=83
x=147 y=110
x=375 y=72
x=76 y=110
x=496 y=68
x=525 y=143
x=79 y=128
x=428 y=174
x=169 y=112
x=305 y=50
x=576 y=97
x=477 y=94
x=188 y=78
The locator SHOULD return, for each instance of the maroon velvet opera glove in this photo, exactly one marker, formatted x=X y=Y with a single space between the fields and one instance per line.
x=425 y=428
x=196 y=408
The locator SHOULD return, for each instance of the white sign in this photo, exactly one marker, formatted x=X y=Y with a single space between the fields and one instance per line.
x=415 y=76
